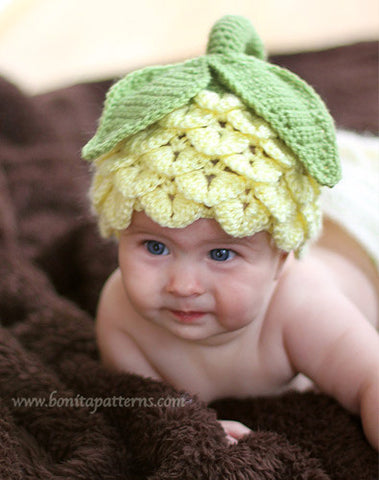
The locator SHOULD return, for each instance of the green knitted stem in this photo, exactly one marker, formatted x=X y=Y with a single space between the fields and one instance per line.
x=233 y=35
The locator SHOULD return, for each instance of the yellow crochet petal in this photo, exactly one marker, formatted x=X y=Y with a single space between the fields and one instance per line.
x=301 y=186
x=240 y=163
x=105 y=229
x=137 y=205
x=211 y=158
x=158 y=206
x=193 y=186
x=210 y=188
x=289 y=235
x=188 y=160
x=214 y=140
x=212 y=101
x=277 y=150
x=277 y=199
x=228 y=103
x=159 y=160
x=175 y=118
x=257 y=217
x=188 y=117
x=110 y=163
x=255 y=167
x=180 y=143
x=205 y=140
x=133 y=143
x=171 y=163
x=185 y=212
x=245 y=122
x=117 y=210
x=265 y=170
x=146 y=140
x=100 y=188
x=169 y=208
x=312 y=218
x=241 y=220
x=133 y=181
x=224 y=186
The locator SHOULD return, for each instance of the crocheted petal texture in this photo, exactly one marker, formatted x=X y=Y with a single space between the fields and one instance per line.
x=253 y=166
x=290 y=233
x=148 y=139
x=133 y=182
x=107 y=164
x=240 y=219
x=177 y=174
x=209 y=141
x=212 y=101
x=169 y=208
x=245 y=122
x=100 y=187
x=117 y=210
x=190 y=116
x=144 y=97
x=277 y=199
x=211 y=186
x=172 y=163
x=292 y=108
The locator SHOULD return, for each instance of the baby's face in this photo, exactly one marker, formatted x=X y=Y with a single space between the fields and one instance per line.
x=197 y=282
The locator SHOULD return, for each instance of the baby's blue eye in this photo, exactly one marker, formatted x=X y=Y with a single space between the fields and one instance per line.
x=156 y=248
x=221 y=254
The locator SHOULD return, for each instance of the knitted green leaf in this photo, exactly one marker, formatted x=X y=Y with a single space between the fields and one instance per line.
x=144 y=97
x=234 y=62
x=289 y=105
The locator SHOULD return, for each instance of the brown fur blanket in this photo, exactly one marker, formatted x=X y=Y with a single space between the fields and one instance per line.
x=52 y=267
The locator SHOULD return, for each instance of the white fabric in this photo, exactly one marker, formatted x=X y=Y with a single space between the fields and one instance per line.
x=354 y=202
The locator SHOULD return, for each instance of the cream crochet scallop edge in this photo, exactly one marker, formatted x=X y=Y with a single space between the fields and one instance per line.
x=209 y=159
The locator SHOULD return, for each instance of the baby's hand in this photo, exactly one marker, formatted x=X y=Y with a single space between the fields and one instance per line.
x=234 y=430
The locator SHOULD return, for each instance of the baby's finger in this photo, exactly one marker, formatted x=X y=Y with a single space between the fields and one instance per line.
x=234 y=429
x=231 y=440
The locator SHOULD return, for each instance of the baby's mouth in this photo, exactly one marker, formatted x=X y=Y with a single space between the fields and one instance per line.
x=187 y=316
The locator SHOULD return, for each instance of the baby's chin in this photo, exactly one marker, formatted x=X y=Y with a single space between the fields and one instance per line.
x=205 y=333
x=192 y=332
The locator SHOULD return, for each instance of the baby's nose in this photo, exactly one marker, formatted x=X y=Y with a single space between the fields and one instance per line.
x=185 y=280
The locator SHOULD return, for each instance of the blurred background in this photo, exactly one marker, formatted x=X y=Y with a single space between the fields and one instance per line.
x=48 y=44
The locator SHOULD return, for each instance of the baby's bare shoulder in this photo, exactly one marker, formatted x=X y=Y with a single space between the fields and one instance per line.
x=303 y=283
x=326 y=278
x=308 y=291
x=302 y=287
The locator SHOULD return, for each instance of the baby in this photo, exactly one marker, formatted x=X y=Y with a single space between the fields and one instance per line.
x=209 y=173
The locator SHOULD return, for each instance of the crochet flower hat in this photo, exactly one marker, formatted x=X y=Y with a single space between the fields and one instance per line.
x=227 y=136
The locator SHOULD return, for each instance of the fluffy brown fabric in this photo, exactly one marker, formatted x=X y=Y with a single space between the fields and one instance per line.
x=52 y=267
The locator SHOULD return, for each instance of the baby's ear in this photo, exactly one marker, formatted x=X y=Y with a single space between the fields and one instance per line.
x=282 y=260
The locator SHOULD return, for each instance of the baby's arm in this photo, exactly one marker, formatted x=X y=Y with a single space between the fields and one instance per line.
x=331 y=342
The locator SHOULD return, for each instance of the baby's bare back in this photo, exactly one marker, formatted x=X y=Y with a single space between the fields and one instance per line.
x=353 y=270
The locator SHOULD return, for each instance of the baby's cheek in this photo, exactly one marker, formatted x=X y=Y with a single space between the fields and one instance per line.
x=134 y=288
x=142 y=291
x=236 y=312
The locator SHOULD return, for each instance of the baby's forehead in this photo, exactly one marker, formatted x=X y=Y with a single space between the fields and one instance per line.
x=203 y=229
